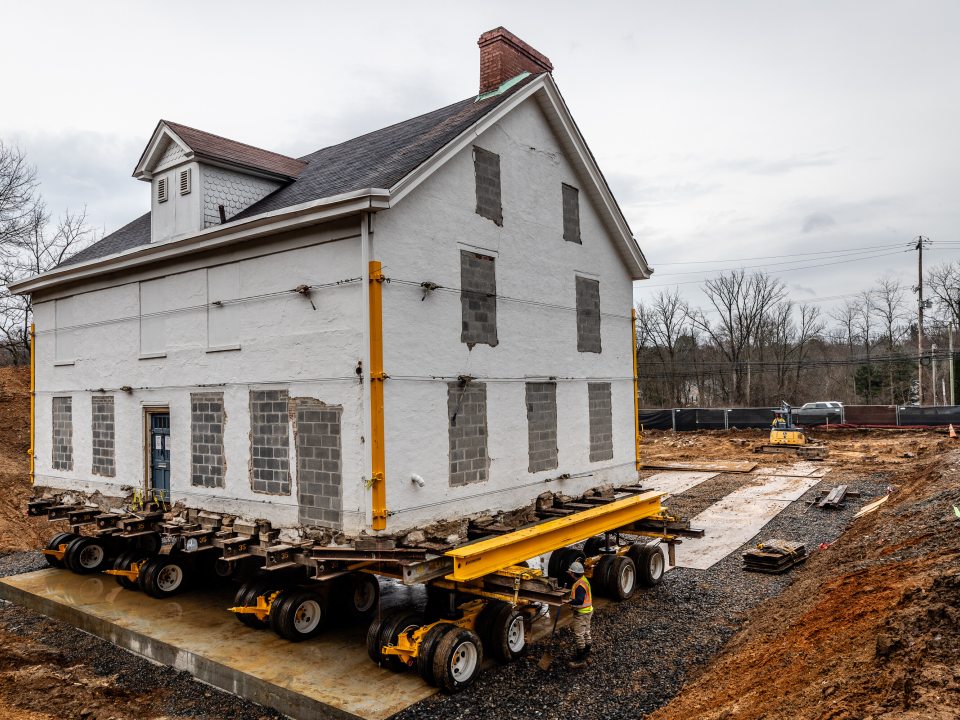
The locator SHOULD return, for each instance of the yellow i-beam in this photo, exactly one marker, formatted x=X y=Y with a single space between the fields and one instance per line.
x=33 y=398
x=636 y=388
x=378 y=465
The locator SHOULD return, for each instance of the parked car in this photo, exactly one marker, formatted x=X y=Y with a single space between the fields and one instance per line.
x=819 y=413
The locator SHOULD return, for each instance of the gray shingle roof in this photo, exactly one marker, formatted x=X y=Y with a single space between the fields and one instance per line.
x=378 y=159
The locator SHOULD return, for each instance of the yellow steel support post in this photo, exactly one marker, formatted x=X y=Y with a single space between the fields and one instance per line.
x=488 y=556
x=33 y=400
x=636 y=388
x=378 y=465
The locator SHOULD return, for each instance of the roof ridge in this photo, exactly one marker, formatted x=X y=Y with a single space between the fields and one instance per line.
x=175 y=125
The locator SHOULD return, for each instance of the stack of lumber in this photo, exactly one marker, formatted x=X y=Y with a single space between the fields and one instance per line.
x=774 y=556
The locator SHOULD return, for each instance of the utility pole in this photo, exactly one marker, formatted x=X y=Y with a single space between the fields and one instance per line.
x=950 y=331
x=921 y=241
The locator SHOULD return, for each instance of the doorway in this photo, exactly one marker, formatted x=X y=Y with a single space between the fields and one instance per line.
x=158 y=454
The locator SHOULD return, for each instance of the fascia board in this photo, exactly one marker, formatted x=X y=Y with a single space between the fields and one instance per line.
x=410 y=181
x=150 y=152
x=277 y=221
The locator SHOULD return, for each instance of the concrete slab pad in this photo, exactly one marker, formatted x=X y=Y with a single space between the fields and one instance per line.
x=674 y=483
x=327 y=677
x=740 y=515
x=727 y=466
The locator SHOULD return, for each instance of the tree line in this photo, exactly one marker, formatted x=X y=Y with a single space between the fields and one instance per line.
x=32 y=241
x=750 y=345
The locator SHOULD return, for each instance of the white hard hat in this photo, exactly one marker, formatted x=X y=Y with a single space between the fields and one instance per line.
x=576 y=568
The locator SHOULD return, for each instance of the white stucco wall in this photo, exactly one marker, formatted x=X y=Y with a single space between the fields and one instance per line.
x=420 y=240
x=284 y=343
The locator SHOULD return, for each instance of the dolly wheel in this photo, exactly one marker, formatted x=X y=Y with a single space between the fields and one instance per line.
x=123 y=562
x=360 y=595
x=298 y=614
x=86 y=555
x=650 y=564
x=428 y=648
x=457 y=660
x=600 y=582
x=164 y=576
x=58 y=540
x=387 y=631
x=594 y=545
x=622 y=578
x=507 y=638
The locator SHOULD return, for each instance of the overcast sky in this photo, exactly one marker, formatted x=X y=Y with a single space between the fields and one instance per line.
x=727 y=130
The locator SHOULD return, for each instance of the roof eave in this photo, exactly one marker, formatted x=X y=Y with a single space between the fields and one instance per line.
x=269 y=223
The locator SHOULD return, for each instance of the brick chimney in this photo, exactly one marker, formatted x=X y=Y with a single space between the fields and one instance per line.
x=503 y=56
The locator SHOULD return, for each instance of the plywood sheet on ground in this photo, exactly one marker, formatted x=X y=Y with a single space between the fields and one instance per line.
x=719 y=466
x=329 y=676
x=674 y=483
x=736 y=518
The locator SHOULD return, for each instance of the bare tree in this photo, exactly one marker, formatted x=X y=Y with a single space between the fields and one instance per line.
x=667 y=321
x=944 y=283
x=741 y=301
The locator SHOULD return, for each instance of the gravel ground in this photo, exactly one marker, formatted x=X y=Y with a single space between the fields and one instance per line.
x=172 y=694
x=680 y=626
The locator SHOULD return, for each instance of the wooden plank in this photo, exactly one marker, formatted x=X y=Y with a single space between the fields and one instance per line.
x=834 y=498
x=727 y=466
x=867 y=509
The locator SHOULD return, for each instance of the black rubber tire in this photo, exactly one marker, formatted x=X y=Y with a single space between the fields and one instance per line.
x=358 y=595
x=54 y=544
x=123 y=562
x=77 y=557
x=296 y=605
x=247 y=596
x=391 y=626
x=560 y=562
x=484 y=622
x=148 y=544
x=164 y=576
x=592 y=546
x=503 y=620
x=600 y=582
x=428 y=647
x=622 y=578
x=438 y=604
x=650 y=565
x=453 y=644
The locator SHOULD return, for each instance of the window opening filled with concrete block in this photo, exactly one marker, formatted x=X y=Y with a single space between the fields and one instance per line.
x=478 y=299
x=541 y=398
x=486 y=167
x=319 y=465
x=588 y=315
x=601 y=421
x=270 y=441
x=62 y=456
x=467 y=415
x=207 y=423
x=571 y=213
x=104 y=436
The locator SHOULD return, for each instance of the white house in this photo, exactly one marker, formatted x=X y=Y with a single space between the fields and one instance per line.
x=223 y=349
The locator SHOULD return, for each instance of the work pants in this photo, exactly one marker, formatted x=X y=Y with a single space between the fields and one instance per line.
x=581 y=629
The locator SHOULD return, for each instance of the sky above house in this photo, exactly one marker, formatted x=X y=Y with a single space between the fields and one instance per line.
x=812 y=138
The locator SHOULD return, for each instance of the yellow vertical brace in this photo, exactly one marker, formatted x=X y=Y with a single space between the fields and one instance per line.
x=33 y=398
x=636 y=387
x=378 y=465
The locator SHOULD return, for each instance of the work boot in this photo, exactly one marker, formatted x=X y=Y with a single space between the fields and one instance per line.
x=579 y=661
x=586 y=655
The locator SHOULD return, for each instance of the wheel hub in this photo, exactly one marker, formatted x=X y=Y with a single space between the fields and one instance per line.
x=169 y=578
x=307 y=616
x=464 y=660
x=516 y=636
x=91 y=556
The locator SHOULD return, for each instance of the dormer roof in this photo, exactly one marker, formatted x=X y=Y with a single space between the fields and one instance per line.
x=215 y=150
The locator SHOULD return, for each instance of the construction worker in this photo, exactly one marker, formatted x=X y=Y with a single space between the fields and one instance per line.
x=581 y=602
x=778 y=422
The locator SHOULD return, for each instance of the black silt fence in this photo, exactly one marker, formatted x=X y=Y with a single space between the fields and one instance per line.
x=682 y=419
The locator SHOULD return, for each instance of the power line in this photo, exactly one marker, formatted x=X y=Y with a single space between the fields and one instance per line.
x=769 y=257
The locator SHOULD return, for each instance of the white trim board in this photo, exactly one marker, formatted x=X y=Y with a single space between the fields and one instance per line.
x=739 y=516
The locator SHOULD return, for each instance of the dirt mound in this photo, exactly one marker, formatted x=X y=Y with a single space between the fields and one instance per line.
x=869 y=630
x=17 y=532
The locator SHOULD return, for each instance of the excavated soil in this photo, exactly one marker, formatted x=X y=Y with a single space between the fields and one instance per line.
x=869 y=629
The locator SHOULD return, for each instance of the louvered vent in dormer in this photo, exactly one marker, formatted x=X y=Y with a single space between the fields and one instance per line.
x=185 y=181
x=162 y=190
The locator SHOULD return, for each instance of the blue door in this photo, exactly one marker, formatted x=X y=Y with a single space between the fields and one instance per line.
x=160 y=455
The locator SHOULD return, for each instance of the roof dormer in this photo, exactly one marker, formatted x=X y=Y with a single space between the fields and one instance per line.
x=199 y=179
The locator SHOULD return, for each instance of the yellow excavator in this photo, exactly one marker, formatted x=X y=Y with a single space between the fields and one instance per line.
x=785 y=437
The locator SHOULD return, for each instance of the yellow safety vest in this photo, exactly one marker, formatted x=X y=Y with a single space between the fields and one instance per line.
x=587 y=606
